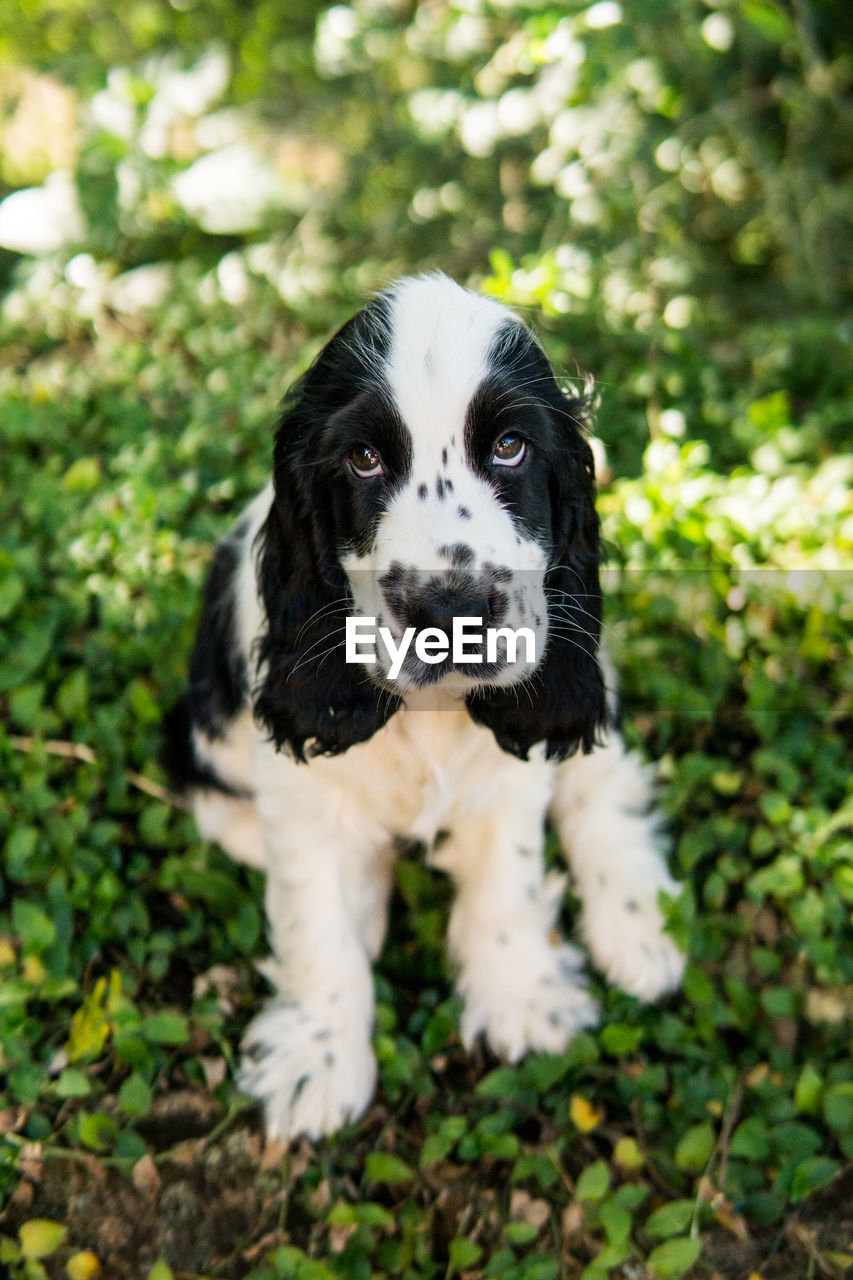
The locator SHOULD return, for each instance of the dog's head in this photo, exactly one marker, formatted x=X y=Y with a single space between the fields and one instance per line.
x=428 y=468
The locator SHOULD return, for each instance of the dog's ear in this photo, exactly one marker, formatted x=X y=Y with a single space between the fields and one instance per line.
x=308 y=697
x=563 y=702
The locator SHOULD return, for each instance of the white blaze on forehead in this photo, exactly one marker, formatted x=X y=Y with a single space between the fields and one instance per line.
x=442 y=334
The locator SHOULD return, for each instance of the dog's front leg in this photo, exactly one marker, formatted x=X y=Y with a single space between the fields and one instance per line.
x=603 y=807
x=307 y=1056
x=519 y=981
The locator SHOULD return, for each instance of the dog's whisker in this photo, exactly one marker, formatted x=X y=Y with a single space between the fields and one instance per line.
x=333 y=606
x=309 y=654
x=577 y=607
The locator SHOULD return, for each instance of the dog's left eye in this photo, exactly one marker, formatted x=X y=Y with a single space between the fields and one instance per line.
x=509 y=450
x=365 y=462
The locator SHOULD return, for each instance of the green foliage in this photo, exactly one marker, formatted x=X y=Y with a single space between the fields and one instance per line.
x=667 y=188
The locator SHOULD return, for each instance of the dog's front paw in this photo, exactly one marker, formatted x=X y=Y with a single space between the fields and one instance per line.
x=625 y=934
x=532 y=997
x=311 y=1073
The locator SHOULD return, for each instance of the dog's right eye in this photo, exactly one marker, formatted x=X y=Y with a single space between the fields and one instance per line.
x=509 y=450
x=365 y=462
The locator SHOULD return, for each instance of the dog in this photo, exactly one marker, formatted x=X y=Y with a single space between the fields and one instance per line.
x=427 y=469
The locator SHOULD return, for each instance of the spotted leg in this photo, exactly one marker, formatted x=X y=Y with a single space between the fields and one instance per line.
x=520 y=985
x=602 y=807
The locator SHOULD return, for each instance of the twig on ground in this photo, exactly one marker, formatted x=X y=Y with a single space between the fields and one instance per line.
x=85 y=755
x=729 y=1120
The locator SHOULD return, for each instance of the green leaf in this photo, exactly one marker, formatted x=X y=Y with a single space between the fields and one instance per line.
x=672 y=1258
x=161 y=1271
x=12 y=592
x=602 y=1266
x=166 y=1027
x=40 y=1238
x=808 y=1090
x=594 y=1182
x=129 y=1146
x=35 y=929
x=582 y=1050
x=503 y=1146
x=775 y=807
x=698 y=986
x=83 y=476
x=617 y=1222
x=380 y=1166
x=539 y=1267
x=463 y=1253
x=438 y=1145
x=538 y=1165
x=440 y=1029
x=694 y=1149
x=243 y=927
x=25 y=702
x=794 y=1141
x=620 y=1040
x=780 y=1002
x=72 y=697
x=292 y=1263
x=507 y=1083
x=366 y=1214
x=544 y=1070
x=628 y=1155
x=97 y=1130
x=770 y=19
x=9 y=1250
x=814 y=1172
x=20 y=848
x=630 y=1195
x=843 y=879
x=751 y=1140
x=838 y=1107
x=520 y=1233
x=72 y=1083
x=134 y=1096
x=670 y=1219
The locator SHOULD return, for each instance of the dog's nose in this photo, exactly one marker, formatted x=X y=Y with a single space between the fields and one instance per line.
x=440 y=601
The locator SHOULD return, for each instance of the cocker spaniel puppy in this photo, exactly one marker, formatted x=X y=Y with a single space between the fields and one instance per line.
x=429 y=474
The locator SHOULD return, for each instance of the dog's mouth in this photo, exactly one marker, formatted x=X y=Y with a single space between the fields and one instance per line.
x=457 y=631
x=467 y=657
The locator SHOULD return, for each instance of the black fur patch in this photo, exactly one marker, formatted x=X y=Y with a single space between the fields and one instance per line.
x=459 y=554
x=217 y=673
x=551 y=496
x=217 y=687
x=180 y=760
x=311 y=700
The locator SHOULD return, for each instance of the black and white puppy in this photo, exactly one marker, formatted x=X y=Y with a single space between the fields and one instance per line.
x=427 y=467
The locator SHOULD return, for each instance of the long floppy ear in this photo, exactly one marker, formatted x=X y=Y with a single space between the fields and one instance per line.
x=310 y=699
x=563 y=703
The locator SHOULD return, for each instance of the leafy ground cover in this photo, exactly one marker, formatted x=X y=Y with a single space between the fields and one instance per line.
x=143 y=359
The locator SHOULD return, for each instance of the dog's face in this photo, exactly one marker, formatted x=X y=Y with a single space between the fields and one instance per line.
x=428 y=468
x=452 y=475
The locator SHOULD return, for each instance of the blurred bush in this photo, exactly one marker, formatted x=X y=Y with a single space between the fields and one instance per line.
x=667 y=186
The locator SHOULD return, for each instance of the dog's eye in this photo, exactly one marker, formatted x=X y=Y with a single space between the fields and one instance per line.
x=509 y=450
x=365 y=462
